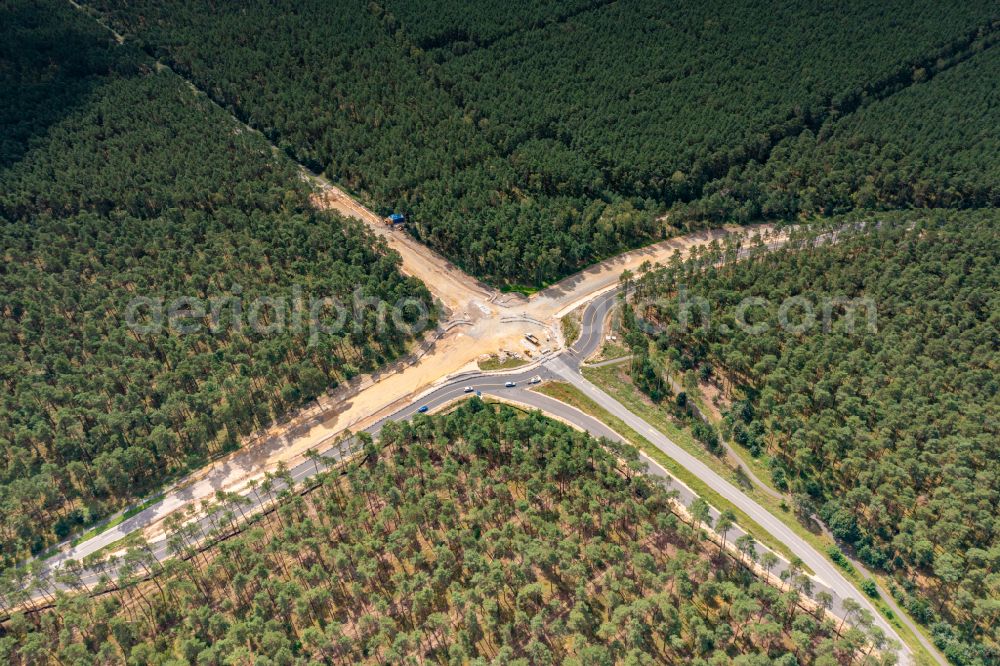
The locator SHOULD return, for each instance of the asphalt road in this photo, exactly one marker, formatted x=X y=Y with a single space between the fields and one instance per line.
x=565 y=366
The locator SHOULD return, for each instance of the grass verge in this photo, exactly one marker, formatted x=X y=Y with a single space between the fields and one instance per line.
x=117 y=520
x=128 y=541
x=524 y=289
x=508 y=363
x=611 y=380
x=570 y=325
x=572 y=396
x=610 y=351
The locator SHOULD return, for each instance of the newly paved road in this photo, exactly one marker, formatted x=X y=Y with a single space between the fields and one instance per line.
x=565 y=366
x=826 y=575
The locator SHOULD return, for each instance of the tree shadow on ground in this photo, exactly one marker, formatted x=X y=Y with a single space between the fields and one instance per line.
x=51 y=59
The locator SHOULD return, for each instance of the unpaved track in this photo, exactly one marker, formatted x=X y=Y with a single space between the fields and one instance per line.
x=478 y=320
x=457 y=291
x=488 y=323
x=493 y=321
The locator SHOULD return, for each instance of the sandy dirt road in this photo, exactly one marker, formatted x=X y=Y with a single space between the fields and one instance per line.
x=478 y=321
x=487 y=323
x=457 y=291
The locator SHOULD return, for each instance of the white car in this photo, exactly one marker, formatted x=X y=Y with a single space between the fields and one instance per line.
x=468 y=389
x=535 y=380
x=510 y=384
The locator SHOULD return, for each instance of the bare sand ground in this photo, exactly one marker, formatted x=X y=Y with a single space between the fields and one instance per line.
x=458 y=291
x=479 y=321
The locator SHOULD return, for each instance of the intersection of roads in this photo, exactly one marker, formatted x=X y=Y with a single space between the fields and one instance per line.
x=560 y=365
x=563 y=365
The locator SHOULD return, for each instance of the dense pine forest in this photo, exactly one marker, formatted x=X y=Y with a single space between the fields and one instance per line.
x=458 y=27
x=526 y=144
x=332 y=85
x=524 y=141
x=485 y=536
x=889 y=434
x=117 y=182
x=934 y=144
x=670 y=97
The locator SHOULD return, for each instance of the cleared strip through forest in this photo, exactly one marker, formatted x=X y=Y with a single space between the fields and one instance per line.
x=960 y=50
x=974 y=41
x=449 y=284
x=442 y=40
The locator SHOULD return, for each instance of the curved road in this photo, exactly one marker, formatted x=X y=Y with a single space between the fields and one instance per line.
x=563 y=365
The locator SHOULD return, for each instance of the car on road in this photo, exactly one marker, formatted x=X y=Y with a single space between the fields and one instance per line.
x=422 y=409
x=468 y=389
x=510 y=384
x=535 y=380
